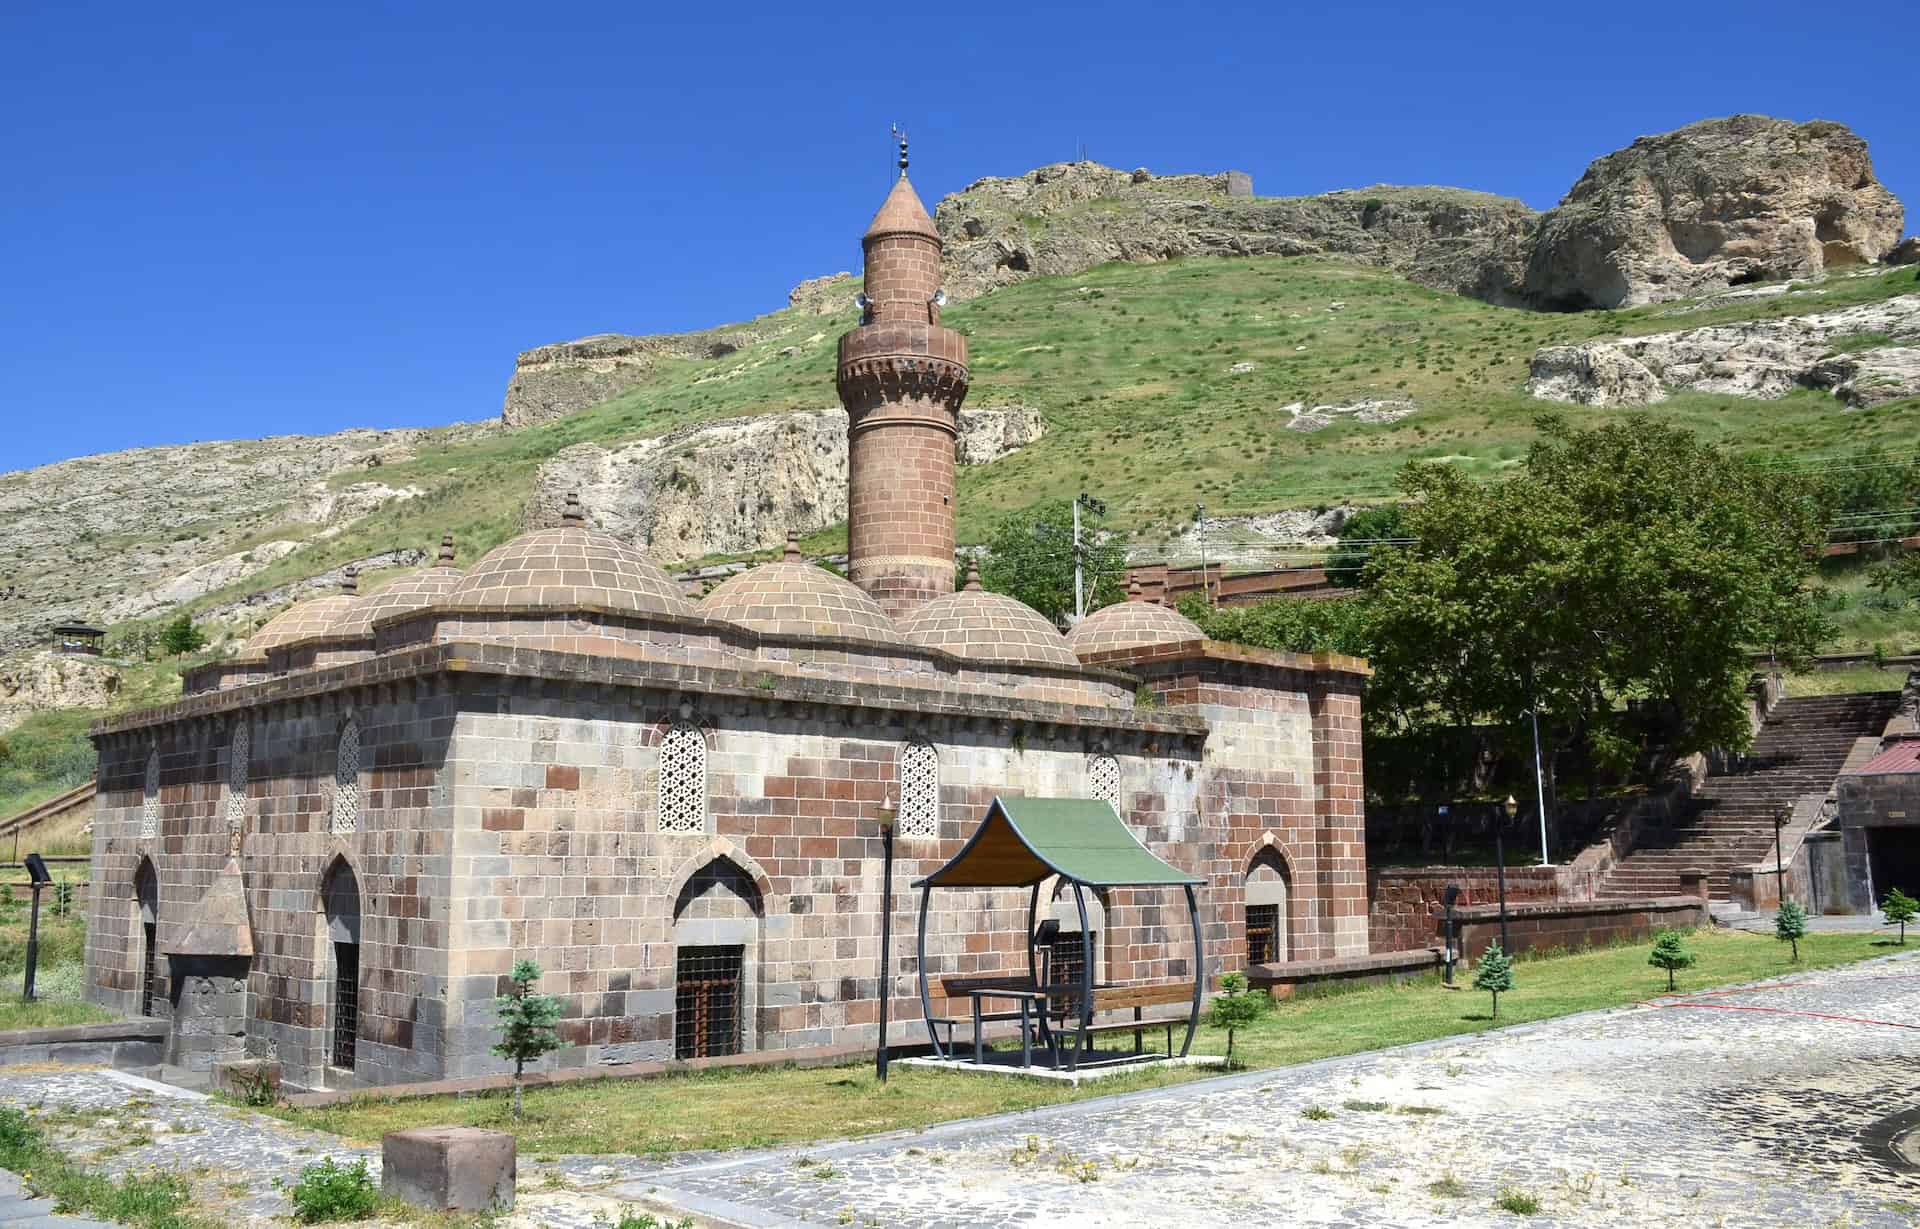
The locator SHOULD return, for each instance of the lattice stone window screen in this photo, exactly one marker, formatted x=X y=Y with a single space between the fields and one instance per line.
x=150 y=798
x=1103 y=779
x=919 y=789
x=346 y=782
x=683 y=779
x=239 y=751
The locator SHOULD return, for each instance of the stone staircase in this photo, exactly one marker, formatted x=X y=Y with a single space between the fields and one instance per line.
x=1729 y=823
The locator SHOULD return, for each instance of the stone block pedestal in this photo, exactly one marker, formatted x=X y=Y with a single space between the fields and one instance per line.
x=449 y=1169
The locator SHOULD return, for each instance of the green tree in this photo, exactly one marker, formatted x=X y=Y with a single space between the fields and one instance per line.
x=1670 y=952
x=181 y=636
x=1030 y=557
x=1289 y=624
x=528 y=1024
x=1629 y=561
x=1790 y=926
x=1494 y=974
x=1900 y=579
x=1236 y=1006
x=1899 y=909
x=1363 y=533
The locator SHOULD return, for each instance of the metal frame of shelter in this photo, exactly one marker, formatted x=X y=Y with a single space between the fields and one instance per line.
x=1022 y=843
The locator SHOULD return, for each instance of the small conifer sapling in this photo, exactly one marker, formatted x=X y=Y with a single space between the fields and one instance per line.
x=1899 y=909
x=527 y=1023
x=1234 y=1007
x=1494 y=974
x=1671 y=953
x=1790 y=926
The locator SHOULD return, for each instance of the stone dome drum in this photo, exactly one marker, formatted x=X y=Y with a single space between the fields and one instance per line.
x=1131 y=624
x=987 y=627
x=568 y=568
x=795 y=598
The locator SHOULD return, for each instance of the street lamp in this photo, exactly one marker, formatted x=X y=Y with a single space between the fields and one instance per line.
x=886 y=813
x=1509 y=809
x=1780 y=818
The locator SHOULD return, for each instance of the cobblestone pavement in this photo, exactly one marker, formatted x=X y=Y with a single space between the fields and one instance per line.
x=1776 y=1105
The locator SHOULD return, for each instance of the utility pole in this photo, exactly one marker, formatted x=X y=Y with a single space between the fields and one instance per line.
x=1079 y=588
x=1200 y=530
x=1540 y=787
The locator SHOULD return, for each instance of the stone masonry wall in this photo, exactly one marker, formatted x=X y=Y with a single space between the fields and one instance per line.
x=1404 y=903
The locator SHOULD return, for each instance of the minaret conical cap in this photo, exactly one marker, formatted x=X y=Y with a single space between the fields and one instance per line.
x=901 y=214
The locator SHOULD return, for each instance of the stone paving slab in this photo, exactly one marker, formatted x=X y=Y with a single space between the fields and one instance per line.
x=18 y=1211
x=1771 y=1105
x=1748 y=1108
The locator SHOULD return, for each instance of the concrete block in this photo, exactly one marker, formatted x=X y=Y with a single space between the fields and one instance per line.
x=449 y=1169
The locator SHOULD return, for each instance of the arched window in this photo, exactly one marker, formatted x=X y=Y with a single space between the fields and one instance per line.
x=239 y=752
x=340 y=902
x=346 y=781
x=1103 y=780
x=1266 y=934
x=146 y=904
x=150 y=798
x=716 y=936
x=683 y=779
x=919 y=772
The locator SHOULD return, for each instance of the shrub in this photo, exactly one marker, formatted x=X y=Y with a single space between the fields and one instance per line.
x=527 y=1024
x=1670 y=953
x=330 y=1191
x=1790 y=926
x=1519 y=1202
x=1899 y=909
x=1494 y=974
x=1235 y=1007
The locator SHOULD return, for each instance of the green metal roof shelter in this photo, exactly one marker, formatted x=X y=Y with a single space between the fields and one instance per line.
x=1022 y=843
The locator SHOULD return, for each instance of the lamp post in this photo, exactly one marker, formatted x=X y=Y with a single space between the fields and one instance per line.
x=1509 y=809
x=1779 y=867
x=886 y=814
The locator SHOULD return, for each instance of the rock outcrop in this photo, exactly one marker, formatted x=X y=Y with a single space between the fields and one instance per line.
x=739 y=484
x=35 y=682
x=1715 y=204
x=129 y=534
x=1071 y=216
x=1842 y=350
x=1374 y=411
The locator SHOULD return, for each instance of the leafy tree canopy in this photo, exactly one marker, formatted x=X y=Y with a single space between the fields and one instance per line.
x=1030 y=557
x=1364 y=532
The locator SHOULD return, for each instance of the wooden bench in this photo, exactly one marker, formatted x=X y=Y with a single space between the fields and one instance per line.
x=958 y=988
x=1120 y=998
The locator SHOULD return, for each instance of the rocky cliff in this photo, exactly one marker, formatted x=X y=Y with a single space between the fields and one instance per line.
x=128 y=534
x=1715 y=204
x=738 y=485
x=1865 y=355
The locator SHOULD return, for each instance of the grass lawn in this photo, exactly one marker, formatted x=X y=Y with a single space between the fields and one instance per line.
x=786 y=1106
x=17 y=1013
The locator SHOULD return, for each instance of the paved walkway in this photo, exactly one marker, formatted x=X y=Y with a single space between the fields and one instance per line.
x=18 y=1211
x=1777 y=1105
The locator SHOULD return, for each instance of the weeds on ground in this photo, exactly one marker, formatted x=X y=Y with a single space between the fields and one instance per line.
x=146 y=1201
x=327 y=1191
x=1448 y=1186
x=1520 y=1203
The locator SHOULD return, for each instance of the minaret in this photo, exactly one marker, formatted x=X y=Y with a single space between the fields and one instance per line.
x=902 y=378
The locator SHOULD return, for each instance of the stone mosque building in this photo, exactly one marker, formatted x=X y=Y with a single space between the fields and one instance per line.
x=331 y=849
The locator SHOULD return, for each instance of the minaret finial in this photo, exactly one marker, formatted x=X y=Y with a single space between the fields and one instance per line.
x=570 y=513
x=446 y=550
x=901 y=135
x=792 y=552
x=350 y=580
x=973 y=577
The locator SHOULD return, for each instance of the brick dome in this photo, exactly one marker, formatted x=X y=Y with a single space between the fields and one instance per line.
x=303 y=621
x=567 y=569
x=1132 y=624
x=901 y=214
x=796 y=598
x=409 y=593
x=987 y=627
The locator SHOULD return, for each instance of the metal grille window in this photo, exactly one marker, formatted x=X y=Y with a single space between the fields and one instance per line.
x=1103 y=779
x=147 y=930
x=1066 y=963
x=346 y=1003
x=683 y=779
x=346 y=782
x=919 y=772
x=1263 y=927
x=706 y=1002
x=239 y=751
x=150 y=798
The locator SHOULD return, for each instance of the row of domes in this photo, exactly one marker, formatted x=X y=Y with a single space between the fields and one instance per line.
x=572 y=567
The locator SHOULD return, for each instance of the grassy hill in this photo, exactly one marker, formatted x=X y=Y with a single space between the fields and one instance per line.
x=1130 y=366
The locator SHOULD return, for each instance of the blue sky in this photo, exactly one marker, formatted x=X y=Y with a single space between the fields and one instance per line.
x=233 y=221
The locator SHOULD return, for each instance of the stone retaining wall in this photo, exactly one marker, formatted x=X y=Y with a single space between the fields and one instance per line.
x=1404 y=908
x=1576 y=924
x=125 y=1044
